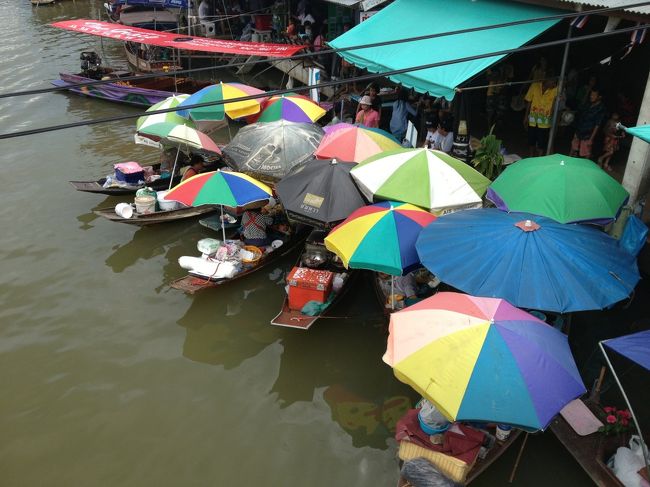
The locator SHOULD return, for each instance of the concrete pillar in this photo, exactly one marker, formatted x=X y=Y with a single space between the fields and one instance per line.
x=637 y=170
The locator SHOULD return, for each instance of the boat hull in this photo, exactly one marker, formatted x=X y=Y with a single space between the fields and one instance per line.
x=158 y=216
x=115 y=92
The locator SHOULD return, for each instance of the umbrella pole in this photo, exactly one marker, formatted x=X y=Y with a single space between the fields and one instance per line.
x=392 y=293
x=521 y=451
x=223 y=227
x=644 y=448
x=171 y=176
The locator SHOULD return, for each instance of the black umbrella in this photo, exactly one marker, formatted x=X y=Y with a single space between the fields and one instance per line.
x=320 y=193
x=269 y=151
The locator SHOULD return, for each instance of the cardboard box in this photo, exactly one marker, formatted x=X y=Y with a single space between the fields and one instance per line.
x=308 y=285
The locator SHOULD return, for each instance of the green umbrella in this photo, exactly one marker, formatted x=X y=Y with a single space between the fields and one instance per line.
x=566 y=189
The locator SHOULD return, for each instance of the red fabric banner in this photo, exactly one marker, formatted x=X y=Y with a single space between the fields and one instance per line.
x=177 y=41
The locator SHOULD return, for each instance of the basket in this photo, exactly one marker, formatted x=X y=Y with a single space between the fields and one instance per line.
x=452 y=467
x=255 y=250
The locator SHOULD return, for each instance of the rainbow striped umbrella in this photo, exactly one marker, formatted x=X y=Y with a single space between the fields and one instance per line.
x=290 y=107
x=482 y=359
x=218 y=93
x=353 y=143
x=227 y=188
x=224 y=188
x=380 y=237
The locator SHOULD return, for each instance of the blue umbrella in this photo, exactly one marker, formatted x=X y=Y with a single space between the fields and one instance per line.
x=531 y=261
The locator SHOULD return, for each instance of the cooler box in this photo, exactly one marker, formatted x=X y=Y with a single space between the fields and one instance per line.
x=308 y=285
x=129 y=172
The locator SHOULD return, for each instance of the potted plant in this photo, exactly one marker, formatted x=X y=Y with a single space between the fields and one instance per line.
x=488 y=159
x=615 y=433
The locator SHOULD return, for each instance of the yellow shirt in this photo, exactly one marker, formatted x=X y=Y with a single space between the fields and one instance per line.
x=541 y=105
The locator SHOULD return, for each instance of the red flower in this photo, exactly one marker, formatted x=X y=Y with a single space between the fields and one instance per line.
x=611 y=419
x=609 y=409
x=626 y=414
x=624 y=422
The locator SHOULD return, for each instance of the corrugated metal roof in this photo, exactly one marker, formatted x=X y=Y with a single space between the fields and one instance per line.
x=612 y=3
x=347 y=3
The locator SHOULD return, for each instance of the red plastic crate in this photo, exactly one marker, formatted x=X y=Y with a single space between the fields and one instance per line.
x=308 y=285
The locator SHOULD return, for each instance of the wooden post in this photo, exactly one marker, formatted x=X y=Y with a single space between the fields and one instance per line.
x=521 y=451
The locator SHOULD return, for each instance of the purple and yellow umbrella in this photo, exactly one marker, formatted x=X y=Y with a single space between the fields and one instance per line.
x=353 y=143
x=290 y=107
x=380 y=237
x=482 y=359
x=221 y=92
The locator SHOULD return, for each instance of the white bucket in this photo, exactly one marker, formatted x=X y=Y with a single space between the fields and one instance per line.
x=145 y=204
x=503 y=431
x=163 y=204
x=125 y=210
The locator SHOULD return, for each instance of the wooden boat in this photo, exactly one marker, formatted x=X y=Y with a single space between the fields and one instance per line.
x=296 y=319
x=483 y=464
x=157 y=216
x=150 y=59
x=97 y=186
x=138 y=92
x=192 y=283
x=590 y=451
x=42 y=2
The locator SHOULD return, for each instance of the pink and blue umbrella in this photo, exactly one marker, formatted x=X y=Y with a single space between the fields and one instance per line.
x=532 y=261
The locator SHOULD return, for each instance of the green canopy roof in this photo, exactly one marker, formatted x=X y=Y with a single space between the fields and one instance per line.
x=411 y=18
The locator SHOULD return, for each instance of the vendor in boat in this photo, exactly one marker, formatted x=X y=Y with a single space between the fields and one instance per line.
x=169 y=158
x=196 y=167
x=255 y=225
x=405 y=286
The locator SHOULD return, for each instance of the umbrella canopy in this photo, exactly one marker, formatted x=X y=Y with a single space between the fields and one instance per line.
x=427 y=178
x=290 y=107
x=566 y=189
x=179 y=136
x=354 y=143
x=219 y=93
x=635 y=347
x=320 y=193
x=380 y=237
x=642 y=131
x=532 y=261
x=482 y=359
x=271 y=150
x=225 y=188
x=169 y=117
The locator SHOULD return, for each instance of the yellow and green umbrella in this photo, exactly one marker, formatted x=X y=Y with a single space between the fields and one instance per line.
x=427 y=178
x=221 y=92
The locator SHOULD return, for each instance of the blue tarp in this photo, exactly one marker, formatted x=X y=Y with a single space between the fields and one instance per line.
x=636 y=347
x=411 y=18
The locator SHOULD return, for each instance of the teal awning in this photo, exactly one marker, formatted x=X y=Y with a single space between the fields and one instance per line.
x=411 y=18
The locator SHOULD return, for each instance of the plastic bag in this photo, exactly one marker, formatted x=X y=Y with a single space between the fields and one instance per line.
x=627 y=463
x=634 y=236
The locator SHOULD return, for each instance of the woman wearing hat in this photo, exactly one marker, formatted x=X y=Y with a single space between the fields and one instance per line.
x=367 y=115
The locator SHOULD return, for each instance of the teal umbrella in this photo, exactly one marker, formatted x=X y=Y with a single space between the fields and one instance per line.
x=642 y=131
